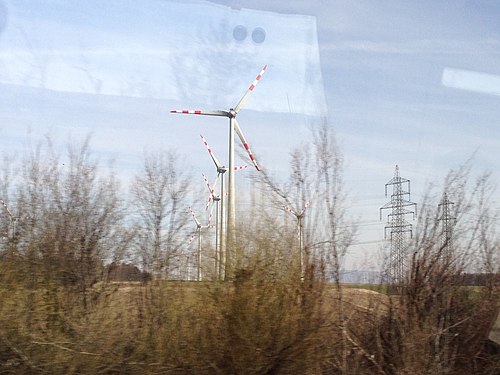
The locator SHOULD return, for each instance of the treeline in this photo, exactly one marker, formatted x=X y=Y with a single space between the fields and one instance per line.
x=69 y=233
x=67 y=216
x=126 y=272
x=129 y=272
x=478 y=279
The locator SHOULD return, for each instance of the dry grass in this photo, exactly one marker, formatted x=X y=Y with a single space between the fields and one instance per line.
x=257 y=325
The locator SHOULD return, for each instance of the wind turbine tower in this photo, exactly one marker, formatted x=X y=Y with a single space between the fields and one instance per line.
x=219 y=201
x=398 y=226
x=299 y=215
x=199 y=228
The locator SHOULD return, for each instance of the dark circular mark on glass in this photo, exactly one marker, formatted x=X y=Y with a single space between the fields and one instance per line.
x=240 y=33
x=259 y=35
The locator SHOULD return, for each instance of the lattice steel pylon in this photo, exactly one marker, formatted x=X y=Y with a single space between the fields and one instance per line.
x=448 y=222
x=399 y=226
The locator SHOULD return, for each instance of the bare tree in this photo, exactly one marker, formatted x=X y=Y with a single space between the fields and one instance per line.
x=160 y=195
x=5 y=189
x=316 y=169
x=438 y=325
x=73 y=215
x=334 y=233
x=316 y=176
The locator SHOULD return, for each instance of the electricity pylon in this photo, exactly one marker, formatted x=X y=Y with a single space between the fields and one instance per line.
x=448 y=223
x=399 y=226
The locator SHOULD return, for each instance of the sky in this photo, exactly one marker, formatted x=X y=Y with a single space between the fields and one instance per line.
x=413 y=84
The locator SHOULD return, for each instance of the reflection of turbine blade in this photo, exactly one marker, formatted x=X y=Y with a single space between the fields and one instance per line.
x=472 y=81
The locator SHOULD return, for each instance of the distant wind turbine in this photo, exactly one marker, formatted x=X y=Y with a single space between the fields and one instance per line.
x=199 y=228
x=13 y=219
x=219 y=201
x=300 y=232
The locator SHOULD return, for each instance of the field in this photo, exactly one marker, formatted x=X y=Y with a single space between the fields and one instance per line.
x=257 y=324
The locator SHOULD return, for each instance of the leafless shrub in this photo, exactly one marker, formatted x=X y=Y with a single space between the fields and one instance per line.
x=160 y=195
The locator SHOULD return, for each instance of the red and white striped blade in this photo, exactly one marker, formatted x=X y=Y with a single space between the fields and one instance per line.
x=239 y=168
x=250 y=89
x=191 y=238
x=306 y=205
x=194 y=217
x=216 y=162
x=210 y=216
x=200 y=112
x=214 y=185
x=6 y=207
x=245 y=144
x=211 y=189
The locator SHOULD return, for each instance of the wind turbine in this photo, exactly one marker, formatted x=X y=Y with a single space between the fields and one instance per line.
x=300 y=232
x=13 y=219
x=220 y=240
x=217 y=201
x=233 y=126
x=199 y=228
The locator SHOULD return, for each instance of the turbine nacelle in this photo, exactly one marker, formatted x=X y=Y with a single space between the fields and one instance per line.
x=222 y=170
x=298 y=215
